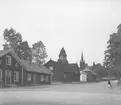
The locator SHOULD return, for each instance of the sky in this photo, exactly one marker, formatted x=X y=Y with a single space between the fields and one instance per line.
x=76 y=25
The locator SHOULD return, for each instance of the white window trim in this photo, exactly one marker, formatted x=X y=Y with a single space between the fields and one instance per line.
x=29 y=77
x=42 y=78
x=51 y=68
x=17 y=78
x=1 y=74
x=8 y=58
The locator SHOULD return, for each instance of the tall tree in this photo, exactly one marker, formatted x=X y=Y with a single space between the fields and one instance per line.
x=11 y=38
x=39 y=52
x=24 y=51
x=113 y=52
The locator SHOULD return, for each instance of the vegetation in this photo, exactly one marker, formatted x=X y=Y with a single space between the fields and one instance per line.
x=13 y=40
x=39 y=52
x=113 y=53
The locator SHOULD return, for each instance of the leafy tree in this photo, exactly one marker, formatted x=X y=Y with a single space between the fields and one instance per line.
x=113 y=52
x=39 y=52
x=11 y=38
x=24 y=51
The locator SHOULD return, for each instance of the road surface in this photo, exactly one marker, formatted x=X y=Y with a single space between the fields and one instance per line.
x=62 y=94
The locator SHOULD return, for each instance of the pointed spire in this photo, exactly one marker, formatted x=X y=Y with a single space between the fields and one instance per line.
x=82 y=58
x=82 y=62
x=62 y=52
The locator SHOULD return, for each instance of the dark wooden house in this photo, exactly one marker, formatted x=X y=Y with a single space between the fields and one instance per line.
x=14 y=71
x=64 y=73
x=62 y=70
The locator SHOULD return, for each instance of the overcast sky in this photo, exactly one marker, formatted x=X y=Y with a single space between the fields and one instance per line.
x=76 y=25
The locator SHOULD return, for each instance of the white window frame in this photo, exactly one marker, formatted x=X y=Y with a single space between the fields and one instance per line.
x=1 y=76
x=29 y=77
x=8 y=60
x=51 y=68
x=16 y=76
x=42 y=78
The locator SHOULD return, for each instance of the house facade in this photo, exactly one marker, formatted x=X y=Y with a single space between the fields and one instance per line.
x=62 y=70
x=14 y=71
x=87 y=75
x=63 y=73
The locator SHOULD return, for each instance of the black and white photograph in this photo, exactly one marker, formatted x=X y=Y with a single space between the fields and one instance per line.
x=60 y=52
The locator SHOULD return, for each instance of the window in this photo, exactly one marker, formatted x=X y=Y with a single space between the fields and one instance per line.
x=64 y=75
x=1 y=75
x=46 y=78
x=8 y=60
x=16 y=76
x=51 y=68
x=29 y=77
x=42 y=78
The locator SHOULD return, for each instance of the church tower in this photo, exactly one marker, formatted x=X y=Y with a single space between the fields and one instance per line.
x=62 y=57
x=82 y=62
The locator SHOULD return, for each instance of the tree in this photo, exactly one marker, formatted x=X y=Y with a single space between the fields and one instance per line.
x=113 y=52
x=24 y=51
x=39 y=52
x=11 y=38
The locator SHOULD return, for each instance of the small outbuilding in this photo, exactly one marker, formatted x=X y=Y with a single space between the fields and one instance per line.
x=88 y=75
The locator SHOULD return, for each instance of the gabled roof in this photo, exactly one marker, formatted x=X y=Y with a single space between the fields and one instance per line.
x=34 y=68
x=50 y=61
x=28 y=67
x=3 y=52
x=89 y=70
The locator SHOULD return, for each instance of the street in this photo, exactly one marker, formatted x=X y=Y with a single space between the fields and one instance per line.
x=62 y=94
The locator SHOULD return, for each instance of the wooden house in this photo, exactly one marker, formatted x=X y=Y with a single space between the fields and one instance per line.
x=63 y=73
x=62 y=70
x=14 y=71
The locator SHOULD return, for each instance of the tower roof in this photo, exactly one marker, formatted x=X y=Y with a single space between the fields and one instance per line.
x=82 y=58
x=62 y=52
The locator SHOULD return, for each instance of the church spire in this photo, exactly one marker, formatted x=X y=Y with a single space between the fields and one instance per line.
x=62 y=53
x=62 y=56
x=82 y=57
x=82 y=62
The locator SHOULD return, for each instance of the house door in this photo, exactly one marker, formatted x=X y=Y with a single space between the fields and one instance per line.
x=8 y=77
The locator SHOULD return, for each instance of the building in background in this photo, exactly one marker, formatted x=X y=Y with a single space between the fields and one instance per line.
x=88 y=75
x=82 y=63
x=62 y=70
